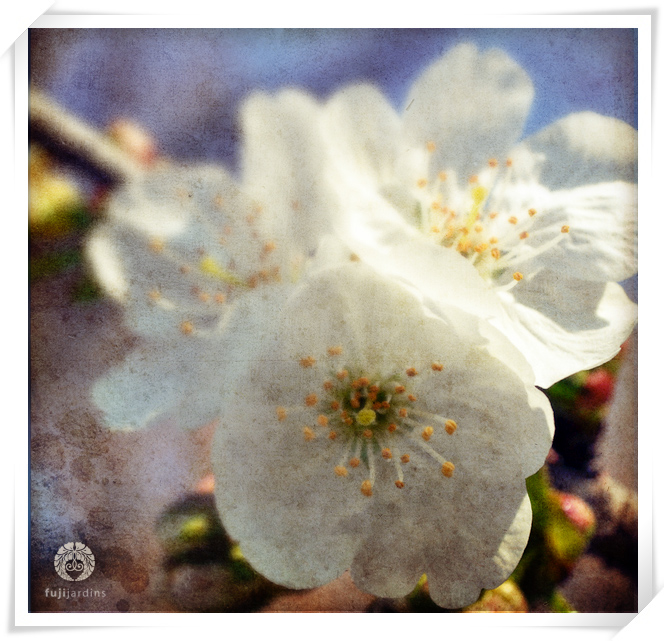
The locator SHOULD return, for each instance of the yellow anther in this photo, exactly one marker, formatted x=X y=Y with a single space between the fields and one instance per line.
x=532 y=212
x=367 y=434
x=187 y=327
x=493 y=240
x=422 y=182
x=478 y=194
x=435 y=230
x=354 y=258
x=479 y=228
x=354 y=462
x=334 y=405
x=219 y=298
x=481 y=247
x=403 y=412
x=358 y=383
x=412 y=398
x=427 y=432
x=366 y=488
x=335 y=350
x=311 y=400
x=307 y=361
x=204 y=297
x=405 y=458
x=411 y=371
x=332 y=435
x=495 y=252
x=340 y=470
x=565 y=229
x=437 y=367
x=473 y=179
x=442 y=176
x=512 y=220
x=157 y=245
x=508 y=162
x=269 y=246
x=355 y=403
x=211 y=267
x=154 y=295
x=493 y=162
x=517 y=276
x=448 y=469
x=392 y=427
x=328 y=385
x=399 y=389
x=399 y=484
x=282 y=413
x=450 y=426
x=309 y=434
x=386 y=453
x=431 y=147
x=463 y=246
x=322 y=420
x=523 y=235
x=493 y=215
x=342 y=374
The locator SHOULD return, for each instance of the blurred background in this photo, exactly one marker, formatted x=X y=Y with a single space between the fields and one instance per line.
x=142 y=501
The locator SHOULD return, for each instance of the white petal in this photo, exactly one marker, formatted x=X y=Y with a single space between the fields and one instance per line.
x=472 y=105
x=185 y=379
x=283 y=166
x=286 y=507
x=364 y=131
x=601 y=244
x=582 y=149
x=564 y=325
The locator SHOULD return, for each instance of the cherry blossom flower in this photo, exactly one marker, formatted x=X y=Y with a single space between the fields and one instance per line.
x=185 y=253
x=546 y=226
x=374 y=435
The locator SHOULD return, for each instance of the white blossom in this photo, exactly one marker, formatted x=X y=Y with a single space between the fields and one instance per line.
x=377 y=436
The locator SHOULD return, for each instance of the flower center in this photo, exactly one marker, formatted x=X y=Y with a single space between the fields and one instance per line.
x=367 y=418
x=230 y=258
x=462 y=218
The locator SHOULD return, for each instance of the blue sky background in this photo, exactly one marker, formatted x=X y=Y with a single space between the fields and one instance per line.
x=185 y=85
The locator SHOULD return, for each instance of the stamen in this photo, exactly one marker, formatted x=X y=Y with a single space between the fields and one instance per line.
x=565 y=229
x=354 y=462
x=332 y=435
x=523 y=235
x=405 y=458
x=366 y=488
x=311 y=400
x=386 y=453
x=335 y=351
x=340 y=470
x=517 y=276
x=322 y=420
x=281 y=413
x=309 y=434
x=308 y=361
x=157 y=245
x=448 y=469
x=411 y=371
x=512 y=220
x=342 y=374
x=187 y=327
x=427 y=432
x=532 y=212
x=450 y=426
x=437 y=367
x=431 y=147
